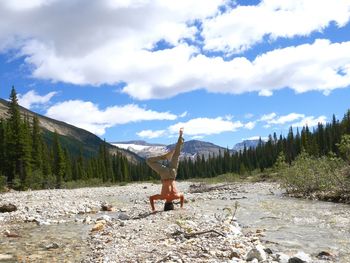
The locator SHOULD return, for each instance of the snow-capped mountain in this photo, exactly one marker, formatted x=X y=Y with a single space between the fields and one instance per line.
x=142 y=148
x=190 y=149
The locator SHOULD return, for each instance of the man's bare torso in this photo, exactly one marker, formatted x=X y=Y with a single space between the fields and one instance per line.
x=169 y=191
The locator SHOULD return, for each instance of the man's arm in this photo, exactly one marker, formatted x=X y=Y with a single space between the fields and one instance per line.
x=151 y=200
x=182 y=199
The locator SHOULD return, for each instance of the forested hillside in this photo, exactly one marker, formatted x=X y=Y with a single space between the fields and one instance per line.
x=31 y=157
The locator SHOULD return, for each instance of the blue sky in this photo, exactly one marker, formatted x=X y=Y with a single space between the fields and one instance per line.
x=136 y=69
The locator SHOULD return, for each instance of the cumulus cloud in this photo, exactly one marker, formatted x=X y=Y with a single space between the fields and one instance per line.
x=292 y=119
x=271 y=19
x=310 y=121
x=250 y=125
x=86 y=115
x=267 y=117
x=206 y=126
x=32 y=98
x=113 y=42
x=198 y=128
x=149 y=134
x=286 y=118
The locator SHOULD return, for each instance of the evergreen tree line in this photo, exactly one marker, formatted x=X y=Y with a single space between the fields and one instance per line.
x=27 y=161
x=322 y=140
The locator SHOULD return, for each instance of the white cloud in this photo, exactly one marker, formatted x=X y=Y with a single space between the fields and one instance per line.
x=149 y=134
x=114 y=41
x=267 y=117
x=244 y=26
x=310 y=121
x=196 y=128
x=292 y=119
x=205 y=126
x=184 y=114
x=31 y=98
x=286 y=118
x=255 y=138
x=250 y=125
x=86 y=115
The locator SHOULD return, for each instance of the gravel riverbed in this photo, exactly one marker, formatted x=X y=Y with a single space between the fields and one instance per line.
x=114 y=224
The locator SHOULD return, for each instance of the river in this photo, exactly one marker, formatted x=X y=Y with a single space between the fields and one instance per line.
x=289 y=225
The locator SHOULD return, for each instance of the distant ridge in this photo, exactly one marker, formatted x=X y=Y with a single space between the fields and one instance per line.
x=73 y=138
x=246 y=143
x=190 y=149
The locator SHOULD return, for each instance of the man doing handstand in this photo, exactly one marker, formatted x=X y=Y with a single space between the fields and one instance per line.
x=167 y=175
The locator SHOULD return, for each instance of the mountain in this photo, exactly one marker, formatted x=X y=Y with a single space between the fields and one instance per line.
x=246 y=143
x=142 y=148
x=190 y=149
x=71 y=137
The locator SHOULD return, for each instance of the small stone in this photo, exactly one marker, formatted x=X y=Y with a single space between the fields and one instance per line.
x=282 y=258
x=52 y=246
x=234 y=254
x=87 y=220
x=296 y=260
x=98 y=226
x=40 y=222
x=106 y=207
x=324 y=255
x=300 y=257
x=10 y=234
x=105 y=218
x=123 y=216
x=268 y=251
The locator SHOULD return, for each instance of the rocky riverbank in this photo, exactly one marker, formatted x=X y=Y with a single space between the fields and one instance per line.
x=115 y=225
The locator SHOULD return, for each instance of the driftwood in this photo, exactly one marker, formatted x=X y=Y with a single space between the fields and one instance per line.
x=194 y=234
x=202 y=188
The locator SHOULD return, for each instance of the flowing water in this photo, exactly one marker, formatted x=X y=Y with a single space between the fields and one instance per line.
x=48 y=243
x=292 y=224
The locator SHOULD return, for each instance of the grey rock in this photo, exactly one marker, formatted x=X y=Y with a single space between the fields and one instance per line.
x=258 y=253
x=123 y=216
x=281 y=258
x=52 y=246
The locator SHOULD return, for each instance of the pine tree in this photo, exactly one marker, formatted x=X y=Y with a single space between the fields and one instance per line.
x=58 y=158
x=18 y=147
x=37 y=145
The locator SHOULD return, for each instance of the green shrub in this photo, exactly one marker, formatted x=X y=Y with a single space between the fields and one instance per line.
x=308 y=174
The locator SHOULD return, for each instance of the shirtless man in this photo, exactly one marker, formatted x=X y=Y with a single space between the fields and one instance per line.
x=167 y=175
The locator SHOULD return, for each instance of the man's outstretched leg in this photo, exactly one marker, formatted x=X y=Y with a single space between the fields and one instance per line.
x=174 y=163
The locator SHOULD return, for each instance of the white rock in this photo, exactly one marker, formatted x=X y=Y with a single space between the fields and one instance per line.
x=303 y=256
x=105 y=218
x=87 y=220
x=258 y=253
x=5 y=257
x=281 y=258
